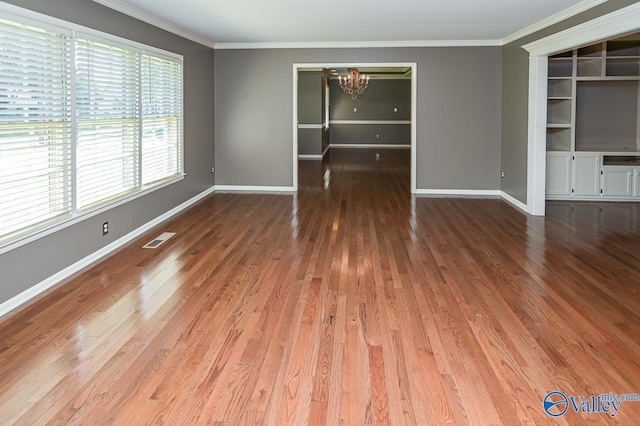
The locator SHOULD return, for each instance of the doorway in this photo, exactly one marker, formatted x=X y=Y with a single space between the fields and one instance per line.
x=297 y=68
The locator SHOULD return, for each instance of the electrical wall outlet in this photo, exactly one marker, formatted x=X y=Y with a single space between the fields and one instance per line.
x=502 y=174
x=213 y=169
x=105 y=228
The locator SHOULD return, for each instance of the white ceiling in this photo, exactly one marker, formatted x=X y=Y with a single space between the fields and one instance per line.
x=353 y=21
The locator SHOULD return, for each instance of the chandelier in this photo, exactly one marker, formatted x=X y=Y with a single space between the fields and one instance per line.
x=354 y=83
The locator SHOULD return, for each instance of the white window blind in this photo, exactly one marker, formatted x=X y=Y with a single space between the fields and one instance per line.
x=86 y=119
x=107 y=110
x=35 y=127
x=161 y=118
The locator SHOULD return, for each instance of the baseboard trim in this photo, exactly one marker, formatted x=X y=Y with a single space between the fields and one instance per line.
x=477 y=193
x=310 y=157
x=369 y=145
x=514 y=202
x=608 y=198
x=44 y=285
x=369 y=122
x=248 y=188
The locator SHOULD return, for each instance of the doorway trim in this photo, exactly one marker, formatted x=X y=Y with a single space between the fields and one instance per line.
x=616 y=23
x=414 y=96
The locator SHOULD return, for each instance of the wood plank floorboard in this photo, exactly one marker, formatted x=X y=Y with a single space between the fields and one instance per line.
x=351 y=303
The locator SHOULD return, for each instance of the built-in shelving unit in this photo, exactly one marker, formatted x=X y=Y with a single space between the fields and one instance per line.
x=593 y=121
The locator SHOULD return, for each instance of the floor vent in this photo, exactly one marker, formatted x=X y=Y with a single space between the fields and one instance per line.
x=157 y=241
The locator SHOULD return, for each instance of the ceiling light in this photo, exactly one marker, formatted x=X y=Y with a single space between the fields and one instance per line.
x=354 y=83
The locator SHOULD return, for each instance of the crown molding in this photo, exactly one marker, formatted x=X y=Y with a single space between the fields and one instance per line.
x=356 y=44
x=553 y=19
x=624 y=20
x=134 y=12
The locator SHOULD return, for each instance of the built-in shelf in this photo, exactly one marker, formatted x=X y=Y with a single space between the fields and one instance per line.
x=559 y=111
x=622 y=66
x=559 y=88
x=601 y=149
x=594 y=50
x=610 y=78
x=623 y=48
x=589 y=67
x=593 y=121
x=621 y=160
x=558 y=138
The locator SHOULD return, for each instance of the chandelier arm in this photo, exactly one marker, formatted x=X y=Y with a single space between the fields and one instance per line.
x=354 y=83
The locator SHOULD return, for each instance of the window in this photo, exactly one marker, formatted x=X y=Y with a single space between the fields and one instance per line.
x=161 y=118
x=35 y=127
x=107 y=111
x=85 y=120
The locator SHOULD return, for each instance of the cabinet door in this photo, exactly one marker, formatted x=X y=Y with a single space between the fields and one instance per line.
x=617 y=180
x=558 y=173
x=586 y=174
x=636 y=182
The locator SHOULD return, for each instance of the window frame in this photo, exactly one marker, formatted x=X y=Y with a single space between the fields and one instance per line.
x=40 y=230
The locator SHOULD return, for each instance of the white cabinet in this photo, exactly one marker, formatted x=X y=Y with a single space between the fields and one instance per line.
x=586 y=174
x=617 y=181
x=592 y=176
x=636 y=182
x=558 y=173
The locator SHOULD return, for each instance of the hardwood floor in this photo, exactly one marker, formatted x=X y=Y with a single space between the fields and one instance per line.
x=351 y=303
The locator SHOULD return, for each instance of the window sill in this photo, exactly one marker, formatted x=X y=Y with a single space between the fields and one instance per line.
x=41 y=231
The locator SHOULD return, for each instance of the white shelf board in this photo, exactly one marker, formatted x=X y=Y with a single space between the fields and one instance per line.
x=610 y=78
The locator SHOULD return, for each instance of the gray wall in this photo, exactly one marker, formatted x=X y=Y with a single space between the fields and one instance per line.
x=458 y=113
x=310 y=97
x=606 y=115
x=387 y=134
x=310 y=141
x=377 y=103
x=310 y=101
x=27 y=265
x=515 y=99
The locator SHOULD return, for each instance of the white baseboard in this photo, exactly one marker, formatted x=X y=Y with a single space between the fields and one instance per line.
x=596 y=198
x=247 y=188
x=67 y=272
x=369 y=122
x=309 y=157
x=477 y=193
x=369 y=145
x=514 y=202
x=313 y=156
